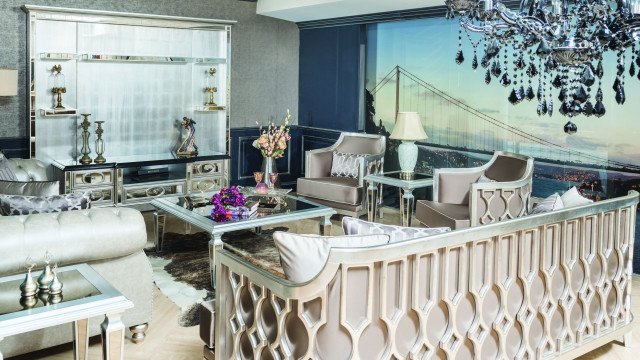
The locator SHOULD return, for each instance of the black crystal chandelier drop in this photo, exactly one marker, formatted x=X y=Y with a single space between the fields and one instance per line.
x=550 y=47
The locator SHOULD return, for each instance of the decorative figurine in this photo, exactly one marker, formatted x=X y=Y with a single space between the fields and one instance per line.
x=55 y=288
x=188 y=147
x=59 y=87
x=99 y=144
x=211 y=89
x=28 y=302
x=29 y=287
x=85 y=159
x=44 y=280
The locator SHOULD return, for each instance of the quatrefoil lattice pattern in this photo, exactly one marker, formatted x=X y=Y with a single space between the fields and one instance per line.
x=534 y=292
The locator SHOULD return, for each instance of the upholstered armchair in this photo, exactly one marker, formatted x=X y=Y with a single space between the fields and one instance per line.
x=496 y=191
x=345 y=194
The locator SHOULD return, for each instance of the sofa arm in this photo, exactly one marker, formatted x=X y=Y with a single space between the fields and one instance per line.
x=72 y=237
x=451 y=186
x=496 y=201
x=318 y=163
x=29 y=169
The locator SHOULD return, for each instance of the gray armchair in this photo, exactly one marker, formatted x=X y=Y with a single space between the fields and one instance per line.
x=346 y=195
x=460 y=201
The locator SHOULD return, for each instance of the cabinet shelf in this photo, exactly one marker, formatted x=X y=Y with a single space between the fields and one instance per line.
x=134 y=58
x=58 y=112
x=209 y=108
x=58 y=56
x=210 y=61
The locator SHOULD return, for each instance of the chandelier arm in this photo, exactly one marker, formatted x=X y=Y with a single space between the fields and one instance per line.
x=484 y=28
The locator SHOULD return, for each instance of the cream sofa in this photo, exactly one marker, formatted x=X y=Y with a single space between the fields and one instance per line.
x=553 y=285
x=111 y=240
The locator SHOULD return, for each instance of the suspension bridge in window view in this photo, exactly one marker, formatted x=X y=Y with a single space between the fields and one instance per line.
x=465 y=128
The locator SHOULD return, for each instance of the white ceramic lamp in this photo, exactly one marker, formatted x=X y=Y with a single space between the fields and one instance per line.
x=409 y=129
x=8 y=82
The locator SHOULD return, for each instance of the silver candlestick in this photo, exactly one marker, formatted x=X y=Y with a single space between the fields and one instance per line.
x=85 y=159
x=99 y=144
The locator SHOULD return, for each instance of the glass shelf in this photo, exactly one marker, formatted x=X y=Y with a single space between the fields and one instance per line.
x=58 y=56
x=58 y=112
x=210 y=61
x=209 y=108
x=134 y=58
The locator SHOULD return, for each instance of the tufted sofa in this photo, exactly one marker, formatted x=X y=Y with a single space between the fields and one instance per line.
x=111 y=240
x=554 y=285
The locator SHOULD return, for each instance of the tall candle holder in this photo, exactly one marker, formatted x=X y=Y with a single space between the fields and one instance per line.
x=85 y=159
x=59 y=86
x=99 y=144
x=211 y=89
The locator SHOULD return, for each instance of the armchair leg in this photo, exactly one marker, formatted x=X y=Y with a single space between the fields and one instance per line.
x=138 y=333
x=372 y=201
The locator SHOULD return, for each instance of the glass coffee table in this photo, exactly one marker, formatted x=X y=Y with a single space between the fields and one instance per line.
x=196 y=212
x=406 y=186
x=85 y=294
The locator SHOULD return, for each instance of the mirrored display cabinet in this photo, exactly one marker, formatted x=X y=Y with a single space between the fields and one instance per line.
x=109 y=95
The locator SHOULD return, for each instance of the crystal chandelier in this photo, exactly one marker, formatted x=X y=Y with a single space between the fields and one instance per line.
x=552 y=44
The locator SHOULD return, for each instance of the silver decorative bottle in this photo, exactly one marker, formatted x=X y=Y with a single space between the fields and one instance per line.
x=44 y=280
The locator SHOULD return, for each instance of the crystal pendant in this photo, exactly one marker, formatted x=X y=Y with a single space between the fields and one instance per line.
x=495 y=69
x=562 y=95
x=513 y=97
x=620 y=96
x=544 y=107
x=484 y=62
x=532 y=70
x=565 y=107
x=520 y=64
x=550 y=107
x=599 y=95
x=487 y=78
x=599 y=109
x=620 y=69
x=575 y=109
x=539 y=109
x=587 y=76
x=557 y=82
x=616 y=84
x=504 y=80
x=600 y=70
x=638 y=60
x=570 y=128
x=587 y=108
x=632 y=69
x=474 y=63
x=521 y=93
x=543 y=49
x=459 y=57
x=638 y=75
x=530 y=94
x=539 y=93
x=580 y=95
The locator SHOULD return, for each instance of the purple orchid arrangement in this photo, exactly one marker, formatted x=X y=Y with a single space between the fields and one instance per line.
x=227 y=197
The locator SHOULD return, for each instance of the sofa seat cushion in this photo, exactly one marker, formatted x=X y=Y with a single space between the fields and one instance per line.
x=72 y=237
x=434 y=214
x=337 y=189
x=353 y=226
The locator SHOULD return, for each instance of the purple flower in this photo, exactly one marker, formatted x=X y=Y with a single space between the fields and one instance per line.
x=227 y=197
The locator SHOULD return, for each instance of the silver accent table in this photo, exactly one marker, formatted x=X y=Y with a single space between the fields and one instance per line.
x=85 y=294
x=406 y=187
x=187 y=209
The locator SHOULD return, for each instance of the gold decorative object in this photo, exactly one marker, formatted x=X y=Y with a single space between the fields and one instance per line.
x=55 y=288
x=211 y=90
x=85 y=159
x=188 y=147
x=99 y=144
x=59 y=86
x=28 y=302
x=44 y=280
x=29 y=287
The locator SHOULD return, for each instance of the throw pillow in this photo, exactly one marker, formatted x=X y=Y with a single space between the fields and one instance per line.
x=572 y=198
x=303 y=256
x=6 y=173
x=551 y=203
x=26 y=205
x=345 y=165
x=353 y=226
x=484 y=179
x=30 y=188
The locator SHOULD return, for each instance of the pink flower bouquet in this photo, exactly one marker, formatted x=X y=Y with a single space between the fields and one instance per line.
x=272 y=141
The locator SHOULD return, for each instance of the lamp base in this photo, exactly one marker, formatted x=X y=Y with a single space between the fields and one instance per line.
x=408 y=156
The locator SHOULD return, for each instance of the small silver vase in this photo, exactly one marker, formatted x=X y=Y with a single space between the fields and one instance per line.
x=269 y=167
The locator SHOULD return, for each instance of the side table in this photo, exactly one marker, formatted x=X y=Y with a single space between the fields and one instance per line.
x=85 y=294
x=406 y=187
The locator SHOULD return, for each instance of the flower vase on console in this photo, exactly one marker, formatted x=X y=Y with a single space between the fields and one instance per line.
x=272 y=143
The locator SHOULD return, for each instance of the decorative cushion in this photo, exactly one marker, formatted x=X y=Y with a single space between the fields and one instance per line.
x=352 y=226
x=303 y=256
x=572 y=198
x=336 y=189
x=6 y=173
x=551 y=203
x=30 y=188
x=484 y=179
x=345 y=165
x=26 y=205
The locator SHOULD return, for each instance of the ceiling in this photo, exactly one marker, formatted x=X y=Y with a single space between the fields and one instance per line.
x=309 y=10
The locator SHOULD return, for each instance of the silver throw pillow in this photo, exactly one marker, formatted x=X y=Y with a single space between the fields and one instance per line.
x=30 y=188
x=352 y=226
x=26 y=205
x=6 y=173
x=551 y=203
x=345 y=165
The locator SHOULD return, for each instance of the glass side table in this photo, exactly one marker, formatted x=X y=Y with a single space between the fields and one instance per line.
x=85 y=294
x=406 y=187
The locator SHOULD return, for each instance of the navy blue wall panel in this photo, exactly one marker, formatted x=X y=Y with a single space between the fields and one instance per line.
x=330 y=81
x=14 y=147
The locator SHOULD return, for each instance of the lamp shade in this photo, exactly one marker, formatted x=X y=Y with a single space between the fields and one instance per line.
x=8 y=82
x=408 y=127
